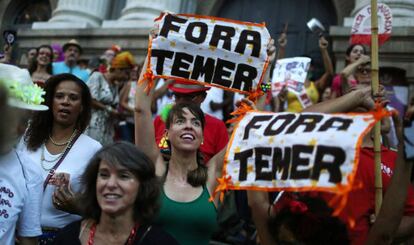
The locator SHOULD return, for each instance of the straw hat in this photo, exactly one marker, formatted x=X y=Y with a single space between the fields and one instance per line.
x=72 y=42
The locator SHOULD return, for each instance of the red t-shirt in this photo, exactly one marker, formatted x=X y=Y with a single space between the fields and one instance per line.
x=361 y=202
x=215 y=136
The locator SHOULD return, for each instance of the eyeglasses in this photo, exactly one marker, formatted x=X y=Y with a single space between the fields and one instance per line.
x=364 y=70
x=188 y=97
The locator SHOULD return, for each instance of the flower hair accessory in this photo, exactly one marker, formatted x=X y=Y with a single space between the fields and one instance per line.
x=23 y=93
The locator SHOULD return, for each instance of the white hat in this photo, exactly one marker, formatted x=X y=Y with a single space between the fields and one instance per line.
x=23 y=93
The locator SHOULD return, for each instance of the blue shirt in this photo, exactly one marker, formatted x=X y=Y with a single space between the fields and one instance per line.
x=61 y=67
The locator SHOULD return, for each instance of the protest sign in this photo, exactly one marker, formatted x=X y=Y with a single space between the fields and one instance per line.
x=292 y=72
x=209 y=50
x=361 y=27
x=296 y=152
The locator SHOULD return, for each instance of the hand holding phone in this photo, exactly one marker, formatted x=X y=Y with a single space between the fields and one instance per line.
x=9 y=37
x=60 y=179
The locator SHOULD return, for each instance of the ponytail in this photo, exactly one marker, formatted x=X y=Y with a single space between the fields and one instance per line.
x=198 y=176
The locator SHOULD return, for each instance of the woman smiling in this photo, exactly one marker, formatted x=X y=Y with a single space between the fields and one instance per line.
x=41 y=68
x=120 y=198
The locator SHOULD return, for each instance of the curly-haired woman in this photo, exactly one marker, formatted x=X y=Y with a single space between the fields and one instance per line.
x=55 y=141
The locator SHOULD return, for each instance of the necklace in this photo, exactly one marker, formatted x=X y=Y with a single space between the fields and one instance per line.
x=130 y=240
x=64 y=143
x=43 y=160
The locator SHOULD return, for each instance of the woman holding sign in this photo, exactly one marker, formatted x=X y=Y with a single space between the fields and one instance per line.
x=186 y=212
x=312 y=89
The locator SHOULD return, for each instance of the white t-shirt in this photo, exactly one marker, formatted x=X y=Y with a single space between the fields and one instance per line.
x=74 y=164
x=20 y=197
x=216 y=95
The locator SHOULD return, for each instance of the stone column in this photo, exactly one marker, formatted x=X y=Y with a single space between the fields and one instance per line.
x=141 y=13
x=402 y=11
x=76 y=14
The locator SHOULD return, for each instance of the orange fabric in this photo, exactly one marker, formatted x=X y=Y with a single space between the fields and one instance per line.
x=123 y=60
x=148 y=75
x=221 y=188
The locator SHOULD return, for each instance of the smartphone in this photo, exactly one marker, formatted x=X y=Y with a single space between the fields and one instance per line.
x=60 y=179
x=9 y=37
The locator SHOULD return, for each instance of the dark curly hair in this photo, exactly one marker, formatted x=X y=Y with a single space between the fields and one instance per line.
x=41 y=122
x=33 y=65
x=351 y=47
x=198 y=176
x=129 y=156
x=315 y=226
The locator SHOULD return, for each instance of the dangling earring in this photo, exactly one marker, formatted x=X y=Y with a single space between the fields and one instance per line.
x=202 y=141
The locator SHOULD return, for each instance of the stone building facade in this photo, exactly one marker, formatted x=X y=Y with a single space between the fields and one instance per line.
x=98 y=24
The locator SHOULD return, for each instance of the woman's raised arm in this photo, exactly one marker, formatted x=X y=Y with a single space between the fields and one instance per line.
x=144 y=127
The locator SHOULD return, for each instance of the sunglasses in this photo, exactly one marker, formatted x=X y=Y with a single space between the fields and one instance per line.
x=190 y=96
x=364 y=70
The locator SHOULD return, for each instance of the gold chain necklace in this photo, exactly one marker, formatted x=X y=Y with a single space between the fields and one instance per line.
x=64 y=143
x=57 y=158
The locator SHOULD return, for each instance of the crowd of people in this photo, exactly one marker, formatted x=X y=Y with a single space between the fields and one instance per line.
x=88 y=156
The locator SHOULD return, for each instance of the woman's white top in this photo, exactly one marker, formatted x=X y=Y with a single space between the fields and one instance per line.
x=74 y=164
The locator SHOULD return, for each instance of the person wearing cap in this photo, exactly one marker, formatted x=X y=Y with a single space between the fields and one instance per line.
x=20 y=179
x=105 y=97
x=71 y=51
x=215 y=132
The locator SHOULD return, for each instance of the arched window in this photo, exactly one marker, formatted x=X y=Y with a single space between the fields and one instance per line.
x=294 y=13
x=32 y=11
